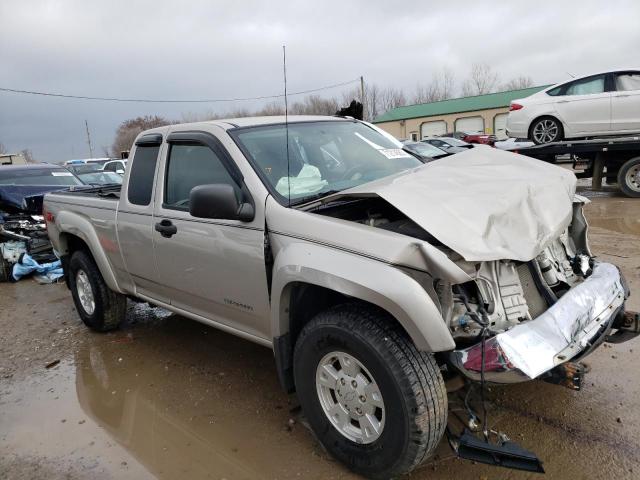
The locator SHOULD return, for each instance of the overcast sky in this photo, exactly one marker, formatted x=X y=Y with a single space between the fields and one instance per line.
x=223 y=49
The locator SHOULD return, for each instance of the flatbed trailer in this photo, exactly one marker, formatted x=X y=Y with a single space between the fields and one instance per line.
x=617 y=160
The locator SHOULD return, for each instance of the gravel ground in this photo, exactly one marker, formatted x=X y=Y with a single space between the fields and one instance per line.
x=168 y=398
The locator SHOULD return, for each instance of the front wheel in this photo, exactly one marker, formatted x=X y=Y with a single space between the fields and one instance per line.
x=546 y=130
x=374 y=401
x=629 y=177
x=100 y=308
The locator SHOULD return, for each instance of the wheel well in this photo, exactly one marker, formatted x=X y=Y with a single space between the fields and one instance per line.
x=71 y=243
x=540 y=118
x=305 y=302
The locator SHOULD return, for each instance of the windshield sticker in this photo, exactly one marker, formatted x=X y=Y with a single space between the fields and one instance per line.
x=62 y=174
x=394 y=153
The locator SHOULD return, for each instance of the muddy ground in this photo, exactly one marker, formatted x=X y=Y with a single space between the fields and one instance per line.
x=169 y=398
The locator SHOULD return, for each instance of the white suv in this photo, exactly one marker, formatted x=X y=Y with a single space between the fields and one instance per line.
x=601 y=104
x=115 y=166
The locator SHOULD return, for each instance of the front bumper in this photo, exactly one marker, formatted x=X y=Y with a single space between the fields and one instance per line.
x=577 y=323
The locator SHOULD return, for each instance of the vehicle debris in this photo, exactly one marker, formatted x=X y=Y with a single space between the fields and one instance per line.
x=52 y=364
x=43 y=273
x=22 y=226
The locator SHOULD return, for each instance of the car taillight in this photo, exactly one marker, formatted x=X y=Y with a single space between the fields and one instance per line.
x=515 y=106
x=48 y=217
x=495 y=359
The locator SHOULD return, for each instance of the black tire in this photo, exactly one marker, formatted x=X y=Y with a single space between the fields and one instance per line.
x=110 y=307
x=5 y=270
x=541 y=121
x=629 y=177
x=410 y=383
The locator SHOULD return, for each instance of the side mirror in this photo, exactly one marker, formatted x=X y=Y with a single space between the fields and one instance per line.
x=218 y=201
x=120 y=172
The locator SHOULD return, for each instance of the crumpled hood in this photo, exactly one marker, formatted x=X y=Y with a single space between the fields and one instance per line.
x=484 y=204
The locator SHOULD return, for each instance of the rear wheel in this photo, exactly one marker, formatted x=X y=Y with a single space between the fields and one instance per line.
x=100 y=308
x=374 y=401
x=629 y=177
x=546 y=130
x=5 y=270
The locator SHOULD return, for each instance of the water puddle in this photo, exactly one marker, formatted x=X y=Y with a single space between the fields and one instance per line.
x=169 y=400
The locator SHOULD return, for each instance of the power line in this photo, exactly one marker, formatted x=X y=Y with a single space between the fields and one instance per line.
x=147 y=100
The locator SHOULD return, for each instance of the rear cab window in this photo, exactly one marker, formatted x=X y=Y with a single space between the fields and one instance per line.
x=143 y=169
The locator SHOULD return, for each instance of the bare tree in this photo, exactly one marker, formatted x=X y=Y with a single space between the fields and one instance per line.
x=390 y=98
x=28 y=156
x=3 y=149
x=372 y=102
x=517 y=83
x=271 y=108
x=129 y=130
x=481 y=81
x=315 y=105
x=190 y=117
x=441 y=87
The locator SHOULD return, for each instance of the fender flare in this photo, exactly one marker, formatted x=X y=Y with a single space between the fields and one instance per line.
x=69 y=223
x=362 y=278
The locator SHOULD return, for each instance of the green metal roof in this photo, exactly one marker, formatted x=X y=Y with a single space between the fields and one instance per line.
x=457 y=105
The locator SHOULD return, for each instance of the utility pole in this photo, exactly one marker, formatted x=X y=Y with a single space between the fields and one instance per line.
x=362 y=90
x=86 y=124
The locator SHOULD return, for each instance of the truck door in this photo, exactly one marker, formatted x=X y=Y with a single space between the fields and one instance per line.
x=135 y=217
x=212 y=268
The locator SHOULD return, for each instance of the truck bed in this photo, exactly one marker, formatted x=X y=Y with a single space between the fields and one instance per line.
x=98 y=197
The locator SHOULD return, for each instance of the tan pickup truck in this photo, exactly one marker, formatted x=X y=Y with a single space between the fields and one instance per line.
x=372 y=275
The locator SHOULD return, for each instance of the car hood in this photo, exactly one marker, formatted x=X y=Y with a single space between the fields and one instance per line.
x=484 y=204
x=25 y=198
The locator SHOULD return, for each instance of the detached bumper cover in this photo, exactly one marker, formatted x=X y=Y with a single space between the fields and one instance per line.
x=580 y=318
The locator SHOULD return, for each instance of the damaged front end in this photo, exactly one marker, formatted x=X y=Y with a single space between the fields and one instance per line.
x=22 y=230
x=539 y=315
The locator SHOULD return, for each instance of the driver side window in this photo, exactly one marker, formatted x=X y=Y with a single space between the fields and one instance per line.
x=189 y=166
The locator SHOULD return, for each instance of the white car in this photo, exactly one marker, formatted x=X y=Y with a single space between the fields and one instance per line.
x=602 y=104
x=116 y=166
x=511 y=144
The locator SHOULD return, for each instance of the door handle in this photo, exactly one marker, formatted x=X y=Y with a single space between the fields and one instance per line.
x=166 y=228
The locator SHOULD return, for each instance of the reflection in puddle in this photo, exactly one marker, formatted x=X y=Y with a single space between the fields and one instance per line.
x=163 y=429
x=169 y=398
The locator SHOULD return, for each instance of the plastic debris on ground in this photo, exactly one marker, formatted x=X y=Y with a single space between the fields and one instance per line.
x=42 y=273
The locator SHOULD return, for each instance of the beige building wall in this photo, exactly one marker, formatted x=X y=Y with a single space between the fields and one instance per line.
x=402 y=129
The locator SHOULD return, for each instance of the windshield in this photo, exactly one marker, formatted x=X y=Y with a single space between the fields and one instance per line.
x=84 y=168
x=425 y=149
x=455 y=142
x=100 y=178
x=38 y=176
x=324 y=157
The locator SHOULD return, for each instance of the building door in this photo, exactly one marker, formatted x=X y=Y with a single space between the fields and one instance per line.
x=433 y=129
x=500 y=125
x=470 y=125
